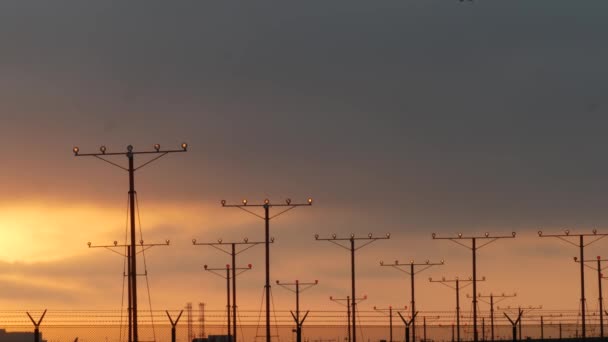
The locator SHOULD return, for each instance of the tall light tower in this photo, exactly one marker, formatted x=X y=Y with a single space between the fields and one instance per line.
x=410 y=268
x=297 y=288
x=487 y=240
x=131 y=250
x=233 y=251
x=599 y=269
x=352 y=248
x=287 y=206
x=581 y=246
x=456 y=281
x=491 y=296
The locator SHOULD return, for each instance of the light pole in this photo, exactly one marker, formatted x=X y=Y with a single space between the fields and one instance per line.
x=352 y=248
x=173 y=324
x=456 y=281
x=599 y=270
x=514 y=323
x=581 y=245
x=348 y=306
x=216 y=271
x=487 y=240
x=131 y=249
x=233 y=252
x=390 y=319
x=410 y=268
x=492 y=302
x=407 y=324
x=297 y=289
x=287 y=206
x=36 y=325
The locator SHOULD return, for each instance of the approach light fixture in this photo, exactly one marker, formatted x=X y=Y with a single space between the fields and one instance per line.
x=75 y=150
x=157 y=147
x=184 y=146
x=102 y=149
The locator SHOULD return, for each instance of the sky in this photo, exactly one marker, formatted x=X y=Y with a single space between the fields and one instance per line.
x=407 y=118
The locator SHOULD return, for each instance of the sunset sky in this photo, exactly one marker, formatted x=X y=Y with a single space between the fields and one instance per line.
x=408 y=117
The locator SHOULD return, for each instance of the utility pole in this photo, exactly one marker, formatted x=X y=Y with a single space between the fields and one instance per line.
x=348 y=313
x=456 y=281
x=487 y=240
x=131 y=248
x=410 y=268
x=352 y=248
x=231 y=249
x=217 y=271
x=287 y=206
x=599 y=270
x=492 y=302
x=297 y=289
x=581 y=245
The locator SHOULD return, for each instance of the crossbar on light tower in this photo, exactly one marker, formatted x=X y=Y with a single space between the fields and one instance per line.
x=287 y=206
x=488 y=239
x=298 y=287
x=233 y=252
x=447 y=282
x=599 y=269
x=412 y=265
x=352 y=248
x=216 y=271
x=581 y=245
x=131 y=250
x=492 y=302
x=348 y=306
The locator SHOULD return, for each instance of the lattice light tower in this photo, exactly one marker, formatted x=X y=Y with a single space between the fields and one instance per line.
x=410 y=268
x=131 y=248
x=581 y=245
x=487 y=238
x=352 y=248
x=287 y=206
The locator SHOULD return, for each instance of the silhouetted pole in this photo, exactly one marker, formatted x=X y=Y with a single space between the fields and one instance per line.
x=407 y=324
x=36 y=325
x=352 y=248
x=492 y=302
x=542 y=328
x=233 y=252
x=474 y=249
x=296 y=316
x=456 y=281
x=520 y=312
x=390 y=319
x=403 y=267
x=599 y=269
x=581 y=245
x=216 y=271
x=514 y=323
x=173 y=324
x=348 y=313
x=131 y=253
x=266 y=206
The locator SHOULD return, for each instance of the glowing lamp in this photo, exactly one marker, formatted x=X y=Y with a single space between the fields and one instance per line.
x=75 y=150
x=184 y=146
x=102 y=149
x=157 y=147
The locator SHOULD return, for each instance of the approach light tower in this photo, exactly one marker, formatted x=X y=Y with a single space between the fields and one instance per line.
x=131 y=248
x=581 y=245
x=287 y=206
x=410 y=268
x=298 y=287
x=488 y=240
x=352 y=248
x=492 y=302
